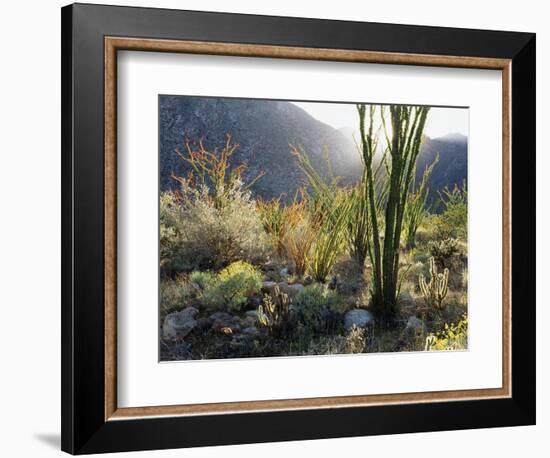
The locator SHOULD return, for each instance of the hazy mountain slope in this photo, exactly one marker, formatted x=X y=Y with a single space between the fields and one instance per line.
x=452 y=167
x=264 y=130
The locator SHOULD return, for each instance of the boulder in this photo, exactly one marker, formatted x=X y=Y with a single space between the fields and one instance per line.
x=358 y=317
x=204 y=323
x=221 y=316
x=223 y=320
x=179 y=324
x=251 y=331
x=252 y=314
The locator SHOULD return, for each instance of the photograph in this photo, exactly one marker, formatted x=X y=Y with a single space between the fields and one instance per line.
x=295 y=228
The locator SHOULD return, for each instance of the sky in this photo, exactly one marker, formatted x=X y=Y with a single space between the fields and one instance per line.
x=441 y=121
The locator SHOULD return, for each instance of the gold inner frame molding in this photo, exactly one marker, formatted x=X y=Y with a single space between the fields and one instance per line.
x=114 y=44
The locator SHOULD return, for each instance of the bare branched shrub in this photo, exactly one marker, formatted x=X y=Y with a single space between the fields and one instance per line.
x=211 y=220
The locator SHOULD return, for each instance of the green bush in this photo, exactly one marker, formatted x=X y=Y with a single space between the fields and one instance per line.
x=453 y=221
x=444 y=250
x=232 y=287
x=196 y=234
x=318 y=306
x=452 y=337
x=174 y=295
x=201 y=279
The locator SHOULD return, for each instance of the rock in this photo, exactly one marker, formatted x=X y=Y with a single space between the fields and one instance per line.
x=252 y=314
x=284 y=272
x=254 y=301
x=249 y=321
x=204 y=323
x=414 y=323
x=221 y=316
x=224 y=321
x=251 y=331
x=358 y=317
x=179 y=324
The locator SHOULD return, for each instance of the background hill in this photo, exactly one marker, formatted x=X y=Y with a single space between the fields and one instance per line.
x=264 y=130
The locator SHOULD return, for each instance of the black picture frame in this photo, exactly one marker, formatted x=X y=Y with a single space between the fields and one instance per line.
x=84 y=428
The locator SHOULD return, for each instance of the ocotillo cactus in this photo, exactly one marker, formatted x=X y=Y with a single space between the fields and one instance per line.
x=435 y=290
x=273 y=313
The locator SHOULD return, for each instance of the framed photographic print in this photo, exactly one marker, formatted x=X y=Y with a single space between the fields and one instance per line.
x=281 y=228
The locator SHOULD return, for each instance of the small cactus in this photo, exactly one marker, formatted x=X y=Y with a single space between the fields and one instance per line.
x=274 y=312
x=436 y=289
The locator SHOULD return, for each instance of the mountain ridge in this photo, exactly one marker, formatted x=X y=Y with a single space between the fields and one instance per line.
x=265 y=129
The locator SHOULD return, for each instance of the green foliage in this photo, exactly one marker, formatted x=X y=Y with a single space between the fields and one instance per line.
x=443 y=250
x=453 y=337
x=453 y=221
x=403 y=141
x=211 y=220
x=298 y=235
x=232 y=287
x=174 y=295
x=272 y=215
x=415 y=207
x=201 y=279
x=274 y=312
x=317 y=306
x=436 y=289
x=330 y=239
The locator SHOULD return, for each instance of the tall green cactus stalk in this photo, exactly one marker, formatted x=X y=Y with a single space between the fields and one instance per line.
x=403 y=140
x=274 y=312
x=436 y=289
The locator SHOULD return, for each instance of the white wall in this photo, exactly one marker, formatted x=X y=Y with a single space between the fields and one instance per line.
x=30 y=225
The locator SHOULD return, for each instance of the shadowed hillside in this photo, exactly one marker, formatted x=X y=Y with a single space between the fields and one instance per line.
x=265 y=129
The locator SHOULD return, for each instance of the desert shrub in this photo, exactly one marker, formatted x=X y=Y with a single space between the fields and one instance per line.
x=356 y=340
x=327 y=345
x=272 y=215
x=448 y=254
x=232 y=287
x=319 y=307
x=452 y=337
x=174 y=295
x=195 y=234
x=201 y=279
x=211 y=220
x=299 y=235
x=453 y=221
x=172 y=258
x=443 y=250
